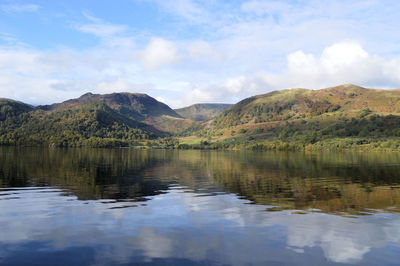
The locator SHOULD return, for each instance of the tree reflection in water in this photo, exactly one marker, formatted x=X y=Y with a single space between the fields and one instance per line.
x=198 y=207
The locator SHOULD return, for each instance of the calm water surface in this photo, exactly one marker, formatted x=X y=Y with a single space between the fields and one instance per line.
x=125 y=207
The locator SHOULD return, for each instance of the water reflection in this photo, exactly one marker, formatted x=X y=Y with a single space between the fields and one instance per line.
x=113 y=207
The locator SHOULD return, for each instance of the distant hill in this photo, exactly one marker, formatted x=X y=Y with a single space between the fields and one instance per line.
x=11 y=108
x=117 y=119
x=136 y=106
x=92 y=124
x=203 y=111
x=308 y=116
x=346 y=99
x=299 y=116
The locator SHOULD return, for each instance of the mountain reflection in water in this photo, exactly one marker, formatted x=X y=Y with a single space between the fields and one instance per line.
x=123 y=206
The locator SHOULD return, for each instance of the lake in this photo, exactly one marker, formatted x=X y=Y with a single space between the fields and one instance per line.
x=174 y=207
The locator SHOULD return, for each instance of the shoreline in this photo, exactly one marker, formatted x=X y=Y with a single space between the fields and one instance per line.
x=333 y=144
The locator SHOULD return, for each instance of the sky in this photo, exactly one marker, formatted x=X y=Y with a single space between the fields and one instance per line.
x=187 y=51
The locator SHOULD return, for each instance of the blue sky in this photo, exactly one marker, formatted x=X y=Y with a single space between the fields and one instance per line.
x=186 y=51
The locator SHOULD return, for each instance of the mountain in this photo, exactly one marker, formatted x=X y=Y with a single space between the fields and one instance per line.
x=289 y=116
x=347 y=100
x=118 y=119
x=136 y=106
x=310 y=115
x=92 y=124
x=203 y=111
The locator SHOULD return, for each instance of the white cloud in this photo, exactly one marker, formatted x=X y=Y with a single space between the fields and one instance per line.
x=235 y=85
x=265 y=7
x=342 y=54
x=344 y=62
x=102 y=29
x=121 y=85
x=200 y=50
x=38 y=77
x=187 y=9
x=157 y=53
x=299 y=61
x=111 y=35
x=46 y=77
x=19 y=8
x=232 y=52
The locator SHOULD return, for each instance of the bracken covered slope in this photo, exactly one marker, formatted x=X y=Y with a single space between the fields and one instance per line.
x=344 y=113
x=346 y=99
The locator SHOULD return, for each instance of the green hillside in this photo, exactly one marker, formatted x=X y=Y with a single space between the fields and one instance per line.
x=135 y=105
x=10 y=108
x=118 y=119
x=341 y=117
x=304 y=117
x=346 y=100
x=203 y=111
x=92 y=124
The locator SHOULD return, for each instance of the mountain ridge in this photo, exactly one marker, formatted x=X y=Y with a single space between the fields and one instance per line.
x=137 y=106
x=334 y=116
x=292 y=115
x=276 y=105
x=120 y=119
x=136 y=101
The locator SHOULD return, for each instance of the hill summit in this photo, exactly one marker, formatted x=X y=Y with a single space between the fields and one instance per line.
x=136 y=105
